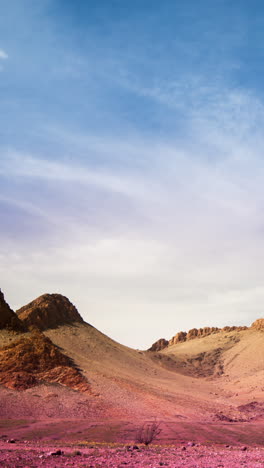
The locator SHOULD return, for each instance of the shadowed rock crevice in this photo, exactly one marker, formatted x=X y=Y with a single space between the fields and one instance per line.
x=8 y=318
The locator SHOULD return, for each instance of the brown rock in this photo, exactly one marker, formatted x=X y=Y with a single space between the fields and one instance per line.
x=258 y=324
x=8 y=318
x=159 y=345
x=178 y=338
x=193 y=333
x=206 y=331
x=33 y=359
x=49 y=311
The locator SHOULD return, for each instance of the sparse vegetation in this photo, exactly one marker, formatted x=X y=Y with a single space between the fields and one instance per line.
x=148 y=432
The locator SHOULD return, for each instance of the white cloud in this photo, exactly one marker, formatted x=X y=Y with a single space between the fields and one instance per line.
x=3 y=55
x=189 y=253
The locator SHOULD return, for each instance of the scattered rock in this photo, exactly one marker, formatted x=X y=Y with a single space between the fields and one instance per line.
x=56 y=453
x=191 y=444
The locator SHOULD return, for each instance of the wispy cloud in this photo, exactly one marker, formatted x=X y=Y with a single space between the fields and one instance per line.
x=18 y=165
x=3 y=55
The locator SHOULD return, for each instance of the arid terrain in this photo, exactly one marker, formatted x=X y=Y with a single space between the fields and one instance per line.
x=66 y=386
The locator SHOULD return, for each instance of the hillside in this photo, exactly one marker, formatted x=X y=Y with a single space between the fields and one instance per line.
x=205 y=378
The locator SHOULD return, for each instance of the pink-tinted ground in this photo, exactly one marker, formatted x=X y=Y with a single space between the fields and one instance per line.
x=27 y=455
x=33 y=443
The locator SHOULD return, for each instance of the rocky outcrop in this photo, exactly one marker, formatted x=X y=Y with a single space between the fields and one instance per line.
x=258 y=324
x=34 y=359
x=230 y=329
x=159 y=345
x=178 y=338
x=194 y=333
x=8 y=318
x=49 y=311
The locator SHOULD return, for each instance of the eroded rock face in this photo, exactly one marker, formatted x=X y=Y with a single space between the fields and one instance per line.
x=49 y=311
x=258 y=324
x=159 y=345
x=205 y=331
x=8 y=318
x=33 y=359
x=178 y=338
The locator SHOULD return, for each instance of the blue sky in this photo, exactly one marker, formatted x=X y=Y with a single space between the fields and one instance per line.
x=131 y=161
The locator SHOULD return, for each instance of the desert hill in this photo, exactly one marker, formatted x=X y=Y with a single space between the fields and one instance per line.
x=49 y=311
x=230 y=352
x=203 y=378
x=27 y=357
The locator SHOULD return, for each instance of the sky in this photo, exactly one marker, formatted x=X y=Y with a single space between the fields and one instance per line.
x=131 y=161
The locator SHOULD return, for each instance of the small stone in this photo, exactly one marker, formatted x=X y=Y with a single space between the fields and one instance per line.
x=191 y=444
x=56 y=453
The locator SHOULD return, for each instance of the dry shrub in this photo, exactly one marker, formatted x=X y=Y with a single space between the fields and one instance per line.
x=148 y=432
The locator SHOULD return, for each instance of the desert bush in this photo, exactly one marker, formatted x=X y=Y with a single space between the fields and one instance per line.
x=148 y=432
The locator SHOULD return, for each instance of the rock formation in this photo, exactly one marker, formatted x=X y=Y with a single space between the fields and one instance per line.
x=178 y=338
x=8 y=318
x=258 y=324
x=159 y=345
x=34 y=359
x=194 y=333
x=49 y=311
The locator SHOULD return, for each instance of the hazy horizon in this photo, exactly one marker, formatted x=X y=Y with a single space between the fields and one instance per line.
x=131 y=161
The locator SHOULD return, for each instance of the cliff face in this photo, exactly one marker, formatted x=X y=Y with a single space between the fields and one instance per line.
x=49 y=311
x=8 y=318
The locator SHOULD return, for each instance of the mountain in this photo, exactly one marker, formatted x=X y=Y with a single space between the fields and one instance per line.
x=49 y=311
x=8 y=318
x=194 y=383
x=29 y=358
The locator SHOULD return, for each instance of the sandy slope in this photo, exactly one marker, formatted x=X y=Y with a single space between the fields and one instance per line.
x=198 y=385
x=174 y=383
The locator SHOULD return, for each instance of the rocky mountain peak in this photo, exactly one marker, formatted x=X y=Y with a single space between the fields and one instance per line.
x=49 y=311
